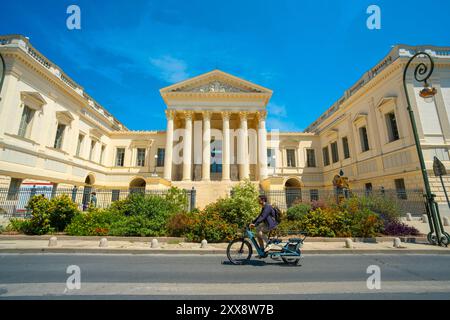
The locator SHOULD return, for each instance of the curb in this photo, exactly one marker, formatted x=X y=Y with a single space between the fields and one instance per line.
x=214 y=251
x=409 y=239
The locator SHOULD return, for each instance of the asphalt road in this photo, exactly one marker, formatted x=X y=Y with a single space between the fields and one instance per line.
x=44 y=276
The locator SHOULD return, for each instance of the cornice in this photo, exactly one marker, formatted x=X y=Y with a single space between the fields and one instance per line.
x=19 y=49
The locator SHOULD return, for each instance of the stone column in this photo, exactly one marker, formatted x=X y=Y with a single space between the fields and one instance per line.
x=169 y=146
x=226 y=146
x=262 y=145
x=206 y=162
x=243 y=147
x=187 y=146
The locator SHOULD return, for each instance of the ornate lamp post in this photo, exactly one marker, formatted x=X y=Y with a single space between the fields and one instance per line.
x=2 y=73
x=422 y=73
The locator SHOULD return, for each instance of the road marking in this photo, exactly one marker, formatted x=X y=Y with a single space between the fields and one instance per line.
x=162 y=289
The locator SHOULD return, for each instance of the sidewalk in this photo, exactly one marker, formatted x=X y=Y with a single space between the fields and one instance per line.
x=20 y=244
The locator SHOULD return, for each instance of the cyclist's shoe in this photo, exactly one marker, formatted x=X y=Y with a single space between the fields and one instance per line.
x=273 y=247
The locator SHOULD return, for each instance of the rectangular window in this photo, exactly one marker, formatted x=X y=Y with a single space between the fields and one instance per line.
x=270 y=158
x=120 y=157
x=334 y=152
x=59 y=136
x=91 y=151
x=102 y=154
x=140 y=160
x=346 y=148
x=310 y=158
x=115 y=194
x=25 y=121
x=326 y=157
x=391 y=123
x=401 y=189
x=290 y=156
x=314 y=194
x=364 y=139
x=161 y=155
x=80 y=144
x=14 y=187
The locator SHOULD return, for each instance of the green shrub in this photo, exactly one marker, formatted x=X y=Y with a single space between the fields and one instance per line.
x=366 y=224
x=210 y=226
x=137 y=215
x=47 y=216
x=94 y=222
x=298 y=211
x=239 y=209
x=387 y=208
x=40 y=216
x=19 y=225
x=62 y=210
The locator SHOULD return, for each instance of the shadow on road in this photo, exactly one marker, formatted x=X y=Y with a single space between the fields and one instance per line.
x=260 y=263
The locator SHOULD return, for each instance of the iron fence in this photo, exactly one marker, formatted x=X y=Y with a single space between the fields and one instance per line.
x=411 y=201
x=13 y=202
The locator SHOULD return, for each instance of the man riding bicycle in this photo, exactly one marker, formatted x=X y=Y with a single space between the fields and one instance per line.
x=265 y=223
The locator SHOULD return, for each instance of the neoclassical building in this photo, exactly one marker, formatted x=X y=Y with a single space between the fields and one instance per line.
x=52 y=131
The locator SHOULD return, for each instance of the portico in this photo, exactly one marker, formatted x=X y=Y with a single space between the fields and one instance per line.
x=216 y=129
x=213 y=145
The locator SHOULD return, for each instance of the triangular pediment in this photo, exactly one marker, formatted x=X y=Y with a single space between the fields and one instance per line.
x=215 y=82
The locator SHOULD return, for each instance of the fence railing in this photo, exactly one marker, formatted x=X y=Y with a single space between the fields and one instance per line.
x=411 y=201
x=13 y=202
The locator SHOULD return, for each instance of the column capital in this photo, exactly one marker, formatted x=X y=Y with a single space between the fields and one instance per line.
x=170 y=114
x=225 y=115
x=188 y=115
x=206 y=115
x=261 y=115
x=243 y=115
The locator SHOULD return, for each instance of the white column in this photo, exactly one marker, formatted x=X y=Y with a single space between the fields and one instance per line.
x=243 y=147
x=226 y=147
x=206 y=163
x=169 y=146
x=187 y=147
x=262 y=146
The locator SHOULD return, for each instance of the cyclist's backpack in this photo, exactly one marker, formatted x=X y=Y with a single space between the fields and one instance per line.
x=276 y=214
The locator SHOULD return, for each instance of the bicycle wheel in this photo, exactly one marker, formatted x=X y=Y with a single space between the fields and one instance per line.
x=293 y=261
x=239 y=251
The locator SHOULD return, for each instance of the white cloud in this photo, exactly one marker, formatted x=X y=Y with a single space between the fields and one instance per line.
x=276 y=110
x=170 y=69
x=282 y=125
x=278 y=119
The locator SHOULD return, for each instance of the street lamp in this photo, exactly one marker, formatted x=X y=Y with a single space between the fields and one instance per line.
x=156 y=163
x=422 y=73
x=2 y=73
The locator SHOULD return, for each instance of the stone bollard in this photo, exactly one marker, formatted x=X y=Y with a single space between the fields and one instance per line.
x=155 y=244
x=349 y=243
x=397 y=243
x=103 y=243
x=446 y=222
x=408 y=217
x=53 y=242
x=424 y=218
x=204 y=244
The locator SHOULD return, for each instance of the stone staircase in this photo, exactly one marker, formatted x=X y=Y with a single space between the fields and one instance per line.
x=207 y=192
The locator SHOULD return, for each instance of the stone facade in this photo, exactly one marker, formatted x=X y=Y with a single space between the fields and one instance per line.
x=51 y=131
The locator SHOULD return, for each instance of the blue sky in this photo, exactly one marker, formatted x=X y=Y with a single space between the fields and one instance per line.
x=307 y=52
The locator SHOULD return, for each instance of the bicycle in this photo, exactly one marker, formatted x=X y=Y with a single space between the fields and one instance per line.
x=240 y=250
